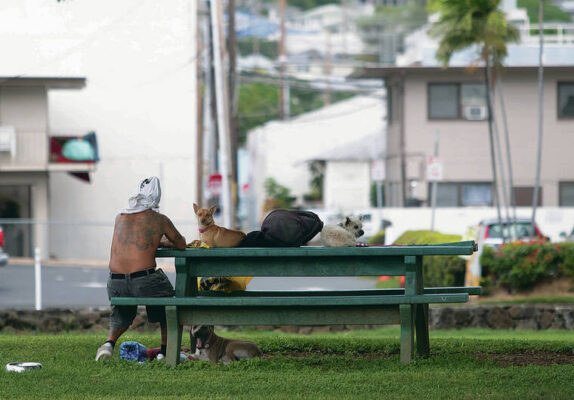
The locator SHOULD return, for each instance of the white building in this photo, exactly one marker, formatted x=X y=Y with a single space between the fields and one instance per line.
x=281 y=150
x=139 y=98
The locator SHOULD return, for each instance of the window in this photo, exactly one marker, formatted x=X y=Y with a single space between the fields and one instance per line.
x=476 y=194
x=523 y=196
x=443 y=101
x=565 y=99
x=451 y=194
x=457 y=101
x=566 y=194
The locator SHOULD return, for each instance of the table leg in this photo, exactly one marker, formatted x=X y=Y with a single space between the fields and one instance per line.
x=174 y=331
x=407 y=332
x=422 y=329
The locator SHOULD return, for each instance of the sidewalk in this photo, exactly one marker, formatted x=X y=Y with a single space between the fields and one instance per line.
x=166 y=265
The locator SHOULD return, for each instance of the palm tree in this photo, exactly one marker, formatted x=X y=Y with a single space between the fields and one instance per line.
x=482 y=25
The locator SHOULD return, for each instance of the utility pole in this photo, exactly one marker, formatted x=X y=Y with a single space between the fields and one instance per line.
x=327 y=94
x=199 y=109
x=540 y=112
x=210 y=109
x=283 y=88
x=435 y=182
x=222 y=111
x=233 y=103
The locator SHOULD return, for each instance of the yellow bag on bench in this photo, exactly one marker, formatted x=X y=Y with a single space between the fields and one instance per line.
x=225 y=284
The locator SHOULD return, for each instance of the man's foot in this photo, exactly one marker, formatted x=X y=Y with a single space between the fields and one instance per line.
x=105 y=352
x=160 y=356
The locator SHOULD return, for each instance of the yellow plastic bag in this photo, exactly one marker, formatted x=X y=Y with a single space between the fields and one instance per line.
x=225 y=284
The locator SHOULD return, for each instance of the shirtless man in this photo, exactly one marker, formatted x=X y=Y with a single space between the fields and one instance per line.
x=139 y=230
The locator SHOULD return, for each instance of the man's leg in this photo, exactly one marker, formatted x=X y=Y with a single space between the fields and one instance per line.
x=106 y=350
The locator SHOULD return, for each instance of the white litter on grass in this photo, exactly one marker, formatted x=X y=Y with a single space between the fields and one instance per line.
x=22 y=366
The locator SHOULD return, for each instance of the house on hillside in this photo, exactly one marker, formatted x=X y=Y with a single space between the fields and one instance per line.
x=29 y=153
x=423 y=101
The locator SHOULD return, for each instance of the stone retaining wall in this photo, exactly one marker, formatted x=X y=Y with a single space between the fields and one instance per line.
x=533 y=317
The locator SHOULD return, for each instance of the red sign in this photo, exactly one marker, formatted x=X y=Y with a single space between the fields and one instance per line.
x=214 y=185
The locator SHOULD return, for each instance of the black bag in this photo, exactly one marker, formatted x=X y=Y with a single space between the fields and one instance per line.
x=285 y=228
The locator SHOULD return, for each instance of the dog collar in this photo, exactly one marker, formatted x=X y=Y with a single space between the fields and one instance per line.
x=205 y=229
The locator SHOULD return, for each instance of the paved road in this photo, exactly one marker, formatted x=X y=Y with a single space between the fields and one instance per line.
x=80 y=286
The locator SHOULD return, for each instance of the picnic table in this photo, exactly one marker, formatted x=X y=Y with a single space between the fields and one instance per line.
x=407 y=307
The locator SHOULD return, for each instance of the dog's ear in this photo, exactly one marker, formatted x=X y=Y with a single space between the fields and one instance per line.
x=195 y=207
x=212 y=209
x=347 y=221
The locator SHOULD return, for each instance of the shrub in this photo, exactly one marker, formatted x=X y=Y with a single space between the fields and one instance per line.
x=568 y=259
x=377 y=238
x=520 y=266
x=437 y=270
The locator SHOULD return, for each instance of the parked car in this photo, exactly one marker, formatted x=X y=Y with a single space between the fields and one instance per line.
x=489 y=232
x=3 y=255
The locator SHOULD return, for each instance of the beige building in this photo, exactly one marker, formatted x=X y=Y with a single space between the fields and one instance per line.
x=429 y=103
x=27 y=156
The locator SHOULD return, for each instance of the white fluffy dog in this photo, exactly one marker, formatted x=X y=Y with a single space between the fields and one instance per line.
x=344 y=234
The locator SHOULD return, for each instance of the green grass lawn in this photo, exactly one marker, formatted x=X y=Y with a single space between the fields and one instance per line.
x=464 y=364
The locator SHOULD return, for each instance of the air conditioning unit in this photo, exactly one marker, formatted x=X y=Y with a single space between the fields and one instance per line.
x=474 y=113
x=7 y=139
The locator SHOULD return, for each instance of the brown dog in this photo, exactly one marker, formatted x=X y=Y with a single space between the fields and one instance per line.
x=210 y=347
x=213 y=235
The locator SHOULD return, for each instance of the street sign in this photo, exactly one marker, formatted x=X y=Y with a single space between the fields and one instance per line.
x=434 y=170
x=214 y=185
x=378 y=170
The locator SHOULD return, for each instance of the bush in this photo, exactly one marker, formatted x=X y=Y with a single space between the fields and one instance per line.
x=520 y=266
x=437 y=270
x=377 y=238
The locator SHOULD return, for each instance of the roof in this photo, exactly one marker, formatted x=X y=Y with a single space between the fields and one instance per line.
x=383 y=72
x=51 y=82
x=367 y=148
x=323 y=132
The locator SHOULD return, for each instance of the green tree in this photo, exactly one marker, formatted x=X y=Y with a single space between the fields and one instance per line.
x=551 y=12
x=477 y=24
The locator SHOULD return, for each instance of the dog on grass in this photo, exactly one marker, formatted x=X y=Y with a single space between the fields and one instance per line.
x=211 y=234
x=210 y=347
x=344 y=234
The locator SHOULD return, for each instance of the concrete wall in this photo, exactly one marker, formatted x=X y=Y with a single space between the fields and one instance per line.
x=552 y=220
